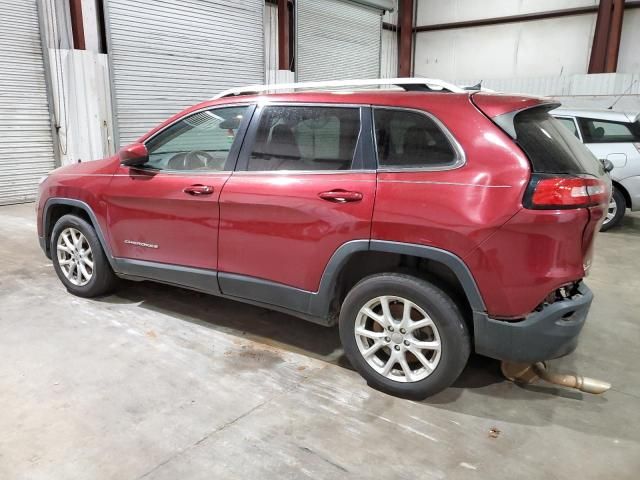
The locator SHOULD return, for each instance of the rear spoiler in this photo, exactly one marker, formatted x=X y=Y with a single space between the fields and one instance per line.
x=502 y=108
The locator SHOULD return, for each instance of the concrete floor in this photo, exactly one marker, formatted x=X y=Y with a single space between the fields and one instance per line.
x=162 y=383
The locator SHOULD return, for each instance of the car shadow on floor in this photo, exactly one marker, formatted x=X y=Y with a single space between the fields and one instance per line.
x=481 y=379
x=268 y=327
x=235 y=318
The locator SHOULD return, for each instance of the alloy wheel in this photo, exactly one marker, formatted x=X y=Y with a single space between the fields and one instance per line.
x=398 y=339
x=611 y=211
x=75 y=257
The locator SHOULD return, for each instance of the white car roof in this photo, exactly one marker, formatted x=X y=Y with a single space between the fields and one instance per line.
x=599 y=114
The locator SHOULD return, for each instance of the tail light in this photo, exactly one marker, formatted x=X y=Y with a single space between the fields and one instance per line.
x=562 y=192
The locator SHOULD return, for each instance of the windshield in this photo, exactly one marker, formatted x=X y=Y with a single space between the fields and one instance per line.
x=550 y=146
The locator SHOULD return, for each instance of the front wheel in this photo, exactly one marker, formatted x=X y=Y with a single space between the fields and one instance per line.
x=615 y=212
x=404 y=335
x=78 y=258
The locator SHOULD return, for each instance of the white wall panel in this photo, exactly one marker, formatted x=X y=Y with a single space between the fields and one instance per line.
x=431 y=12
x=91 y=26
x=580 y=91
x=546 y=47
x=82 y=104
x=389 y=55
x=389 y=47
x=629 y=55
x=271 y=57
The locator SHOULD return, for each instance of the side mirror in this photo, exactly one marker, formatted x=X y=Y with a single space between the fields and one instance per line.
x=607 y=164
x=134 y=155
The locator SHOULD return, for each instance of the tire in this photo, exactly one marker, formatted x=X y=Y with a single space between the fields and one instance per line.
x=95 y=281
x=618 y=205
x=448 y=329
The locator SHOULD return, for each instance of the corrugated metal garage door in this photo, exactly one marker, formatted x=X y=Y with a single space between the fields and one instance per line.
x=167 y=55
x=26 y=146
x=337 y=39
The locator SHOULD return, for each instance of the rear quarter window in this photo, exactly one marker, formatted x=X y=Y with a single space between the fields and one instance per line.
x=550 y=146
x=410 y=139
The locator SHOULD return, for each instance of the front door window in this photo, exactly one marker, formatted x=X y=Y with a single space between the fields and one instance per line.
x=200 y=142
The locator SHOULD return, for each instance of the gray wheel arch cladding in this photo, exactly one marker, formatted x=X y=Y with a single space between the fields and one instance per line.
x=319 y=303
x=48 y=228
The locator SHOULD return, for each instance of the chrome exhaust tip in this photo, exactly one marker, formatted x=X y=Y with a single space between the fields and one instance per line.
x=528 y=374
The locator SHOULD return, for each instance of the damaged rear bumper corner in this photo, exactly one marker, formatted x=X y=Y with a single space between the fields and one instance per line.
x=543 y=335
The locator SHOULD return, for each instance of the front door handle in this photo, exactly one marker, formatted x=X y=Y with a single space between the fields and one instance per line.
x=340 y=196
x=198 y=189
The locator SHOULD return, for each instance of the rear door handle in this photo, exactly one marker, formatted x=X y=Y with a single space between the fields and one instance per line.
x=340 y=196
x=198 y=190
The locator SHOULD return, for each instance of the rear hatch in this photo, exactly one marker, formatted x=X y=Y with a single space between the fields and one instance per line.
x=565 y=175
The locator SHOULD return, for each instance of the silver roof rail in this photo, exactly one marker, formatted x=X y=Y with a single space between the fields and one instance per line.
x=408 y=84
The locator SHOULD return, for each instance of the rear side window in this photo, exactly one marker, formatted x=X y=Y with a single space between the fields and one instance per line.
x=411 y=140
x=552 y=148
x=305 y=138
x=600 y=131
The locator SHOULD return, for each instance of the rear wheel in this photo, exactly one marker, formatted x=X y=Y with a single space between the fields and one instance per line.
x=78 y=258
x=616 y=210
x=405 y=336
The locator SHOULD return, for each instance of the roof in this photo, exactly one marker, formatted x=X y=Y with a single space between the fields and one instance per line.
x=599 y=114
x=434 y=101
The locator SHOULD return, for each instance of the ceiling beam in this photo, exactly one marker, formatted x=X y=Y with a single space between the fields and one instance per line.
x=284 y=37
x=601 y=37
x=77 y=24
x=525 y=17
x=615 y=32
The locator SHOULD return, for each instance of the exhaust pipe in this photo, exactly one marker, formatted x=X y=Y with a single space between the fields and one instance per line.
x=527 y=374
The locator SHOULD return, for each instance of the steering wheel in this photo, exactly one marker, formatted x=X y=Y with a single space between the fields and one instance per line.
x=198 y=159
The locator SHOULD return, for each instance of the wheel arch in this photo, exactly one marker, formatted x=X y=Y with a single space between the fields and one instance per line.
x=625 y=193
x=55 y=208
x=378 y=256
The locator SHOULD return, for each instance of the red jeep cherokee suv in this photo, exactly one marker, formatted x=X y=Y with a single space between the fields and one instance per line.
x=425 y=223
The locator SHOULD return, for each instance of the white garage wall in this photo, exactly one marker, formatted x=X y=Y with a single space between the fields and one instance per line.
x=90 y=23
x=271 y=57
x=629 y=55
x=431 y=12
x=389 y=55
x=542 y=57
x=389 y=46
x=82 y=104
x=558 y=46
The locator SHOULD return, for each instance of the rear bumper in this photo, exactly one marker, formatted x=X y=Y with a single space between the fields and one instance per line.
x=550 y=333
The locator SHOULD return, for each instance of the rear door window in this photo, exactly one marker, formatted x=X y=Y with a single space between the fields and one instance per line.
x=552 y=148
x=305 y=138
x=601 y=131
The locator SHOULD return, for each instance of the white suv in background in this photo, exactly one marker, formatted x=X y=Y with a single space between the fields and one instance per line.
x=614 y=136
